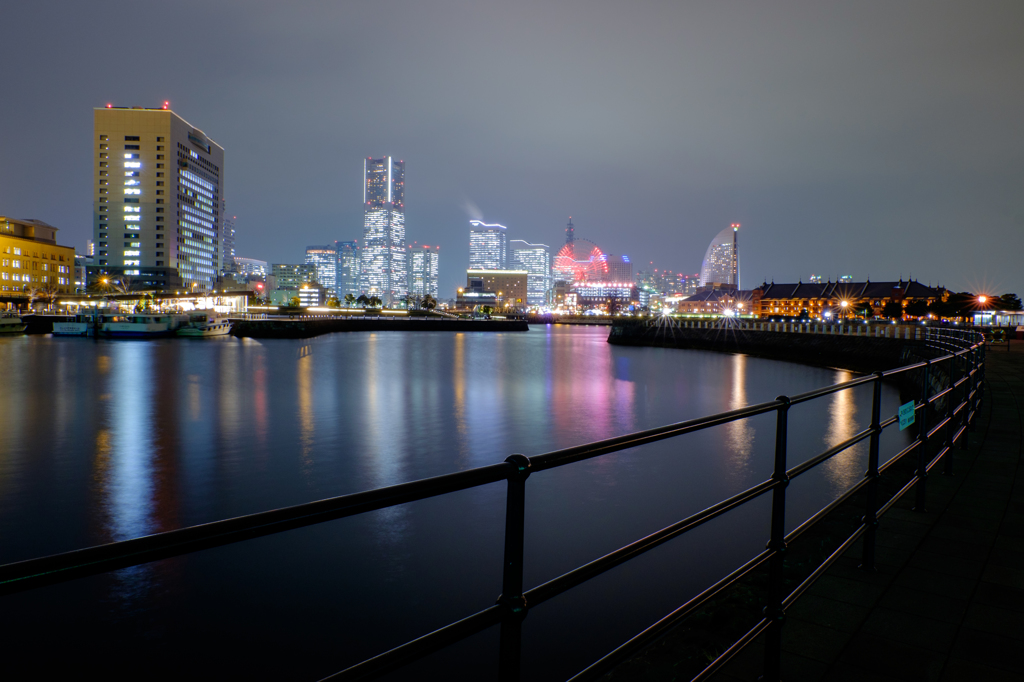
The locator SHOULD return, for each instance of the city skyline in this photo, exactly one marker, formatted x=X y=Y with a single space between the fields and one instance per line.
x=833 y=159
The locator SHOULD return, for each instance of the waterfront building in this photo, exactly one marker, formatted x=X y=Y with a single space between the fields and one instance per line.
x=312 y=294
x=508 y=286
x=611 y=296
x=251 y=267
x=815 y=299
x=536 y=260
x=488 y=246
x=423 y=269
x=31 y=261
x=288 y=275
x=721 y=300
x=347 y=268
x=383 y=268
x=722 y=259
x=325 y=260
x=158 y=191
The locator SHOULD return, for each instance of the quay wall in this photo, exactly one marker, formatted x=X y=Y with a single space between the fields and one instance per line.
x=861 y=348
x=307 y=326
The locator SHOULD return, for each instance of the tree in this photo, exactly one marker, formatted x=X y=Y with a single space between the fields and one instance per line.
x=363 y=300
x=375 y=302
x=1009 y=302
x=350 y=300
x=865 y=309
x=892 y=310
x=332 y=302
x=428 y=302
x=917 y=308
x=294 y=301
x=486 y=310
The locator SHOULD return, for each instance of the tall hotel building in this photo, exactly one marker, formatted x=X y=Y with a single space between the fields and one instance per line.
x=487 y=246
x=536 y=260
x=157 y=205
x=722 y=259
x=423 y=262
x=383 y=253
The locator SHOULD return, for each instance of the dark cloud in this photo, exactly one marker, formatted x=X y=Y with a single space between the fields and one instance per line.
x=868 y=138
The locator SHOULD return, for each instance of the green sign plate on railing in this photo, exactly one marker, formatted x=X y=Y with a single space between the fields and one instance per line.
x=906 y=415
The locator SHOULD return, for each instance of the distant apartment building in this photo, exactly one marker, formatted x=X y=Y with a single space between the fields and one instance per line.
x=620 y=269
x=423 y=269
x=158 y=197
x=251 y=267
x=487 y=246
x=325 y=260
x=31 y=261
x=292 y=276
x=347 y=268
x=536 y=260
x=383 y=268
x=227 y=243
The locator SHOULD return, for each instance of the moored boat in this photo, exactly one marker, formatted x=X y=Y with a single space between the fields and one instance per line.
x=81 y=325
x=144 y=326
x=203 y=324
x=11 y=324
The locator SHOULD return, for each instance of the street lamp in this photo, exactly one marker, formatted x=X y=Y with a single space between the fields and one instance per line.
x=843 y=304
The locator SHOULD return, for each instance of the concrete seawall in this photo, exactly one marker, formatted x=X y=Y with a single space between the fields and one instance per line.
x=865 y=352
x=304 y=327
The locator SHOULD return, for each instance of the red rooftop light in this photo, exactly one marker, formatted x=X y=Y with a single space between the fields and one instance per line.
x=110 y=106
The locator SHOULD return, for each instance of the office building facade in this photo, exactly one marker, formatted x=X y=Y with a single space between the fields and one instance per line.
x=158 y=193
x=347 y=268
x=536 y=260
x=325 y=260
x=227 y=242
x=383 y=255
x=251 y=267
x=423 y=268
x=487 y=246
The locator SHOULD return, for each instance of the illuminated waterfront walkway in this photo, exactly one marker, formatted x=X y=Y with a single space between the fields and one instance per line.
x=947 y=600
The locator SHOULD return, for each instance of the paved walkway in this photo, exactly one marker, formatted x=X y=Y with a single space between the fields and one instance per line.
x=947 y=600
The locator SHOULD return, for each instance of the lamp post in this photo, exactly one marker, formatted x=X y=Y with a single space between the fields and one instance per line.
x=843 y=305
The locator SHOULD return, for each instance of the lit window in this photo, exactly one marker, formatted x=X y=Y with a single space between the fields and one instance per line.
x=132 y=217
x=132 y=164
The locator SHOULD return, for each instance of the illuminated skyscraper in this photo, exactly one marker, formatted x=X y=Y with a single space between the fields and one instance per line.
x=325 y=259
x=227 y=242
x=347 y=269
x=487 y=246
x=158 y=192
x=423 y=262
x=383 y=253
x=722 y=260
x=536 y=260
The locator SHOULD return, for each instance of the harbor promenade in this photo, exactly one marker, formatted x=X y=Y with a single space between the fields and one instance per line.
x=946 y=602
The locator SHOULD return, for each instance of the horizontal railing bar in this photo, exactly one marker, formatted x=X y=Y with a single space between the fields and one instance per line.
x=959 y=433
x=905 y=368
x=895 y=498
x=623 y=651
x=824 y=566
x=835 y=388
x=795 y=533
x=558 y=458
x=889 y=422
x=938 y=427
x=56 y=568
x=938 y=457
x=831 y=452
x=728 y=654
x=395 y=658
x=899 y=455
x=556 y=586
x=940 y=394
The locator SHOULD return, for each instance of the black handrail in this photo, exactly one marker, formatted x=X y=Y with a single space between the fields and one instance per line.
x=514 y=602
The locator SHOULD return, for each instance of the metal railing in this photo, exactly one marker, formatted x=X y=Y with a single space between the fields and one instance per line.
x=960 y=371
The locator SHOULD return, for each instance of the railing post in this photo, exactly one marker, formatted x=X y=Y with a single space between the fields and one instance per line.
x=512 y=575
x=773 y=610
x=871 y=505
x=947 y=466
x=922 y=437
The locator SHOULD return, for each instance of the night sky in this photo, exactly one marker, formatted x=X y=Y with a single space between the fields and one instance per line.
x=876 y=139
